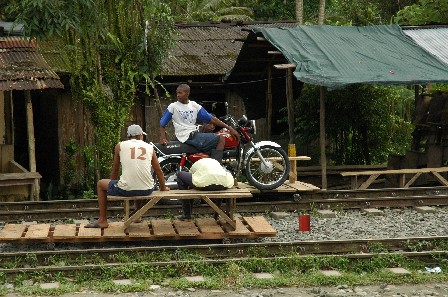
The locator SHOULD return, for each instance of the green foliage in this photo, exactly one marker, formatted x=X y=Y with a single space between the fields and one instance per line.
x=273 y=10
x=112 y=47
x=423 y=13
x=366 y=124
x=209 y=10
x=43 y=18
x=363 y=12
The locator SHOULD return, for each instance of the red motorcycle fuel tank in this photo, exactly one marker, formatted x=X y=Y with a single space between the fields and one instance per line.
x=231 y=141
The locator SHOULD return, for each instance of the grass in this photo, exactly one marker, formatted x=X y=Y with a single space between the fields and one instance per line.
x=293 y=271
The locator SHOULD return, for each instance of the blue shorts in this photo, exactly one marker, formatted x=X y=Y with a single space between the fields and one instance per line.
x=205 y=142
x=114 y=190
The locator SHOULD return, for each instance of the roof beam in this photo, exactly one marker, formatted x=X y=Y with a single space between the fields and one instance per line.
x=285 y=66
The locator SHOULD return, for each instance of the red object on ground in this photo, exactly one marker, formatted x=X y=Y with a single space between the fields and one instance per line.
x=304 y=223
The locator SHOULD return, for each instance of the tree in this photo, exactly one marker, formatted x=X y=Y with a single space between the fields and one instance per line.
x=321 y=13
x=299 y=11
x=364 y=12
x=366 y=124
x=209 y=10
x=112 y=47
x=424 y=13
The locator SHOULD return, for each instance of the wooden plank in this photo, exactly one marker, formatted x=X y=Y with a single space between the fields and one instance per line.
x=64 y=231
x=301 y=186
x=369 y=181
x=190 y=194
x=186 y=228
x=89 y=232
x=139 y=230
x=412 y=180
x=284 y=66
x=27 y=175
x=440 y=178
x=299 y=158
x=395 y=171
x=38 y=231
x=240 y=230
x=12 y=231
x=259 y=225
x=163 y=228
x=208 y=225
x=115 y=230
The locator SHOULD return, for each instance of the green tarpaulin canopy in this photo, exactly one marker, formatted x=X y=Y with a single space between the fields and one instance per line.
x=335 y=57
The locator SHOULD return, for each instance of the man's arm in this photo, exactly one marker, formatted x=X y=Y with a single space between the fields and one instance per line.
x=164 y=120
x=163 y=136
x=116 y=164
x=218 y=122
x=156 y=166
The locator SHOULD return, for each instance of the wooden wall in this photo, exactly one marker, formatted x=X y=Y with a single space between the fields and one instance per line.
x=73 y=124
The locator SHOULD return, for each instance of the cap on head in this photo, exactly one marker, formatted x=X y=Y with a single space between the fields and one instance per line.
x=134 y=130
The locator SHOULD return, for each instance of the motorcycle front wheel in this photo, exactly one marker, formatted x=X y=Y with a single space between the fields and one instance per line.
x=269 y=175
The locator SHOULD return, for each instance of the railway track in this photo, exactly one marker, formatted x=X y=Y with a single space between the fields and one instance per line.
x=72 y=261
x=262 y=202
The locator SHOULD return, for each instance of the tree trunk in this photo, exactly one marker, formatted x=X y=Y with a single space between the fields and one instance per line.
x=299 y=11
x=321 y=14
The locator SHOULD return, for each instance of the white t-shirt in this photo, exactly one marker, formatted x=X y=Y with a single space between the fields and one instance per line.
x=208 y=171
x=184 y=118
x=135 y=158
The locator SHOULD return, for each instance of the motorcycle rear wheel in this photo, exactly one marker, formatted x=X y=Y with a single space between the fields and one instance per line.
x=271 y=176
x=170 y=167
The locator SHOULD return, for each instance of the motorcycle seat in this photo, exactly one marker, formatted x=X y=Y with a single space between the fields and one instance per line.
x=176 y=147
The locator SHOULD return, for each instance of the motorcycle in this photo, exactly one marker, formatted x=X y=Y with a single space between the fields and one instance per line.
x=264 y=164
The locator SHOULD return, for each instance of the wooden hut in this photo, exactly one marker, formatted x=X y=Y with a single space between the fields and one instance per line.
x=23 y=71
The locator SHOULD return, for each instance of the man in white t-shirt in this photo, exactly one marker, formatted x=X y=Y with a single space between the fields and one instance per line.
x=184 y=113
x=205 y=174
x=137 y=158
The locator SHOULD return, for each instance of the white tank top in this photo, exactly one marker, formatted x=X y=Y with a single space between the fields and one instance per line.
x=135 y=158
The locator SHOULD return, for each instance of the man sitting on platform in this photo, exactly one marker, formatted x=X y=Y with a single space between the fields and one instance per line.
x=137 y=158
x=205 y=174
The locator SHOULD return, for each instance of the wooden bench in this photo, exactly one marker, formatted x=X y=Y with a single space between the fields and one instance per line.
x=374 y=174
x=230 y=195
x=293 y=167
x=18 y=176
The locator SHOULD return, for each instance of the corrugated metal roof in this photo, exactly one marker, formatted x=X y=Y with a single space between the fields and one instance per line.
x=208 y=49
x=434 y=40
x=22 y=67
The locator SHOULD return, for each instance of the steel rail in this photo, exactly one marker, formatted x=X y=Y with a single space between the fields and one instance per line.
x=220 y=250
x=262 y=202
x=426 y=257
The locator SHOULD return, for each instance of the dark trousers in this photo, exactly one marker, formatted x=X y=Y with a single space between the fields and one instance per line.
x=185 y=182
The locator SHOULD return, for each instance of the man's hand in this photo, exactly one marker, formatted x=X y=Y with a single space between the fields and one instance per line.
x=165 y=189
x=234 y=133
x=163 y=141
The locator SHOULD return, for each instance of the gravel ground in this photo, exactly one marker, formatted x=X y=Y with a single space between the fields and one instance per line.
x=356 y=224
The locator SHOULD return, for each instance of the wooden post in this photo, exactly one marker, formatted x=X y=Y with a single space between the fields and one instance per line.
x=290 y=100
x=34 y=193
x=269 y=103
x=289 y=97
x=323 y=156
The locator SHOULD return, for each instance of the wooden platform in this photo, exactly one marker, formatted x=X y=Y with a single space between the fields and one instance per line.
x=159 y=229
x=287 y=187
